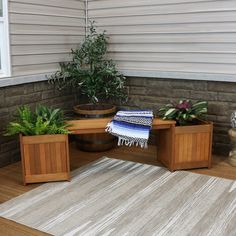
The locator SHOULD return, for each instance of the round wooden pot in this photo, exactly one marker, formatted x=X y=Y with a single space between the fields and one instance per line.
x=95 y=142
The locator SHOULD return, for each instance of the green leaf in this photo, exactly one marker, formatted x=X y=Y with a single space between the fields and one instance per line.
x=170 y=111
x=43 y=120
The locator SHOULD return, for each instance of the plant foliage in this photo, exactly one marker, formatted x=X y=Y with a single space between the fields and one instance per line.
x=184 y=112
x=95 y=76
x=42 y=121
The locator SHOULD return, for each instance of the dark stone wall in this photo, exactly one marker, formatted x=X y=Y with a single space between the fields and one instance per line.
x=153 y=93
x=30 y=94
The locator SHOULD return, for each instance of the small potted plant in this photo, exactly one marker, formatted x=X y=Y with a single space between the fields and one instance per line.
x=97 y=79
x=43 y=143
x=192 y=136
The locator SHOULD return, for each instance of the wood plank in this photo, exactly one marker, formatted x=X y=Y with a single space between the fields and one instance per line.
x=193 y=129
x=58 y=157
x=191 y=165
x=99 y=125
x=48 y=158
x=37 y=139
x=34 y=159
x=37 y=162
x=53 y=158
x=26 y=154
x=42 y=158
x=46 y=177
x=63 y=155
x=11 y=228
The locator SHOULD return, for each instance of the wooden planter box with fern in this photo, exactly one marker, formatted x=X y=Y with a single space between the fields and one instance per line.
x=45 y=158
x=43 y=142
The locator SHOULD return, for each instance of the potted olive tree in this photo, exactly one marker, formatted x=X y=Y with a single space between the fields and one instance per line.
x=97 y=79
x=43 y=143
x=192 y=136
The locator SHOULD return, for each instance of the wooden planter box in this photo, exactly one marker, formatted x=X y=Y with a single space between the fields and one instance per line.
x=45 y=158
x=191 y=146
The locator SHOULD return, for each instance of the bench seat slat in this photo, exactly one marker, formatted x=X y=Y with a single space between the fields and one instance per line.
x=86 y=126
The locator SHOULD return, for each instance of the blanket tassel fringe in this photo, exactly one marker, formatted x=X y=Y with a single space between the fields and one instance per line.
x=129 y=143
x=126 y=142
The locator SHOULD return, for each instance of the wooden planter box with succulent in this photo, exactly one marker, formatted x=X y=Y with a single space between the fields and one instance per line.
x=43 y=143
x=192 y=136
x=98 y=80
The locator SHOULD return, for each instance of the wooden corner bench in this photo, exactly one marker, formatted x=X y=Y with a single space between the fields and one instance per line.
x=178 y=147
x=89 y=126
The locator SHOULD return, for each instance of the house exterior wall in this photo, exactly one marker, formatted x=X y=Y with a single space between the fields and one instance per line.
x=190 y=39
x=42 y=33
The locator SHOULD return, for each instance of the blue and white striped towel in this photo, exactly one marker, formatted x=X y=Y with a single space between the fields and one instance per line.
x=131 y=127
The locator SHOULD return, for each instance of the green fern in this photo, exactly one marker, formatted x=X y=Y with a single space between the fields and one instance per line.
x=44 y=120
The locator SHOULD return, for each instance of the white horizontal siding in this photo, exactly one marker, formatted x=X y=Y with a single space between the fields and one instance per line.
x=44 y=39
x=41 y=69
x=26 y=8
x=70 y=4
x=19 y=50
x=42 y=33
x=100 y=9
x=176 y=36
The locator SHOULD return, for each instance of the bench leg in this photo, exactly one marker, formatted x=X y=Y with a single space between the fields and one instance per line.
x=165 y=147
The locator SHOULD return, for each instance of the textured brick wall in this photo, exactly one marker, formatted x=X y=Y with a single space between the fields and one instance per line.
x=31 y=94
x=153 y=93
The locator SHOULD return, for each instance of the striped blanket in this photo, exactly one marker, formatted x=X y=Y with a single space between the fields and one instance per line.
x=131 y=127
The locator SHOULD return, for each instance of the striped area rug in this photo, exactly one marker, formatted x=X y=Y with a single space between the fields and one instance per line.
x=115 y=197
